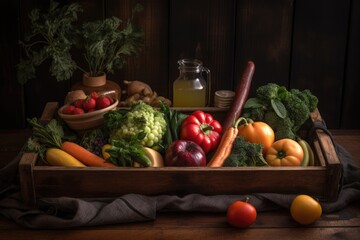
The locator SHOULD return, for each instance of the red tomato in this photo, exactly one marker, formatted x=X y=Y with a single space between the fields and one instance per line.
x=257 y=132
x=241 y=214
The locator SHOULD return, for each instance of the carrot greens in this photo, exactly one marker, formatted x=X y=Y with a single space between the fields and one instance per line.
x=46 y=136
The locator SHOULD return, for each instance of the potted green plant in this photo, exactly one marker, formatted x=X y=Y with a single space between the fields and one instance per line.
x=102 y=44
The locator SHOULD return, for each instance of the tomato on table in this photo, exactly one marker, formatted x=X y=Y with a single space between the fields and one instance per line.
x=305 y=209
x=241 y=214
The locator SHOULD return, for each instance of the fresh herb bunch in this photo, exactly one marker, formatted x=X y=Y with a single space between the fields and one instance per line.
x=106 y=48
x=49 y=135
x=51 y=38
x=54 y=35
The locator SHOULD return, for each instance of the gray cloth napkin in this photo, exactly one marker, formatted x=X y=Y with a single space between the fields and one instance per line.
x=65 y=212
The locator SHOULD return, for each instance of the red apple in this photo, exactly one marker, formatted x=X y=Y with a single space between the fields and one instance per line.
x=185 y=153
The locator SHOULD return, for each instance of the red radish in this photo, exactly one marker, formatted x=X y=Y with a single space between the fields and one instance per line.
x=111 y=100
x=89 y=103
x=68 y=110
x=102 y=102
x=94 y=95
x=79 y=103
x=78 y=111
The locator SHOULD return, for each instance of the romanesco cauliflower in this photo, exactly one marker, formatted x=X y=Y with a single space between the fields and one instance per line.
x=141 y=120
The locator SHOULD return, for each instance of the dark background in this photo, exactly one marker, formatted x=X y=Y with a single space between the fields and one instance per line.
x=312 y=44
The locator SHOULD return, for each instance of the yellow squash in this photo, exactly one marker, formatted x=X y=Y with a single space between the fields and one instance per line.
x=58 y=157
x=154 y=156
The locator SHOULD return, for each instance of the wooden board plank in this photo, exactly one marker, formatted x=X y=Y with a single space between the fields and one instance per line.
x=188 y=34
x=179 y=232
x=151 y=63
x=263 y=35
x=203 y=30
x=26 y=166
x=221 y=45
x=318 y=54
x=11 y=91
x=59 y=181
x=279 y=219
x=350 y=117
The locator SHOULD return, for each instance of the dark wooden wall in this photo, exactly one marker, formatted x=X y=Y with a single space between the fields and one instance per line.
x=312 y=44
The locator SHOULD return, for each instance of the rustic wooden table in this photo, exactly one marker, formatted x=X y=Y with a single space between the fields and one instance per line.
x=344 y=224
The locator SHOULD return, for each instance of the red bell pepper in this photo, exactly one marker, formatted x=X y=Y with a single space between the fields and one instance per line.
x=202 y=129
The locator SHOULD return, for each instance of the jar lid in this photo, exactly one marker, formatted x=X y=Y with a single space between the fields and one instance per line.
x=223 y=98
x=225 y=94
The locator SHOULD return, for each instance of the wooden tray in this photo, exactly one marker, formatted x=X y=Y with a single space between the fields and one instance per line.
x=321 y=181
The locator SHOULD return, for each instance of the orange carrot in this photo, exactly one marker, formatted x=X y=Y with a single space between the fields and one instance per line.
x=83 y=155
x=225 y=146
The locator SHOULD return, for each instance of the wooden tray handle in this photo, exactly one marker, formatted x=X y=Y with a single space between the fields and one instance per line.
x=49 y=112
x=26 y=165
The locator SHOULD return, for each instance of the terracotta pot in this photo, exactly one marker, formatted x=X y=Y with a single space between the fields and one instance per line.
x=94 y=81
x=98 y=84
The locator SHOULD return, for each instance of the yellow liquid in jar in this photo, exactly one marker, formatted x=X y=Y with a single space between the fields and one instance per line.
x=189 y=93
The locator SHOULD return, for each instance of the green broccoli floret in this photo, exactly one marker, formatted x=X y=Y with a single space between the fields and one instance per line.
x=285 y=111
x=256 y=114
x=299 y=105
x=255 y=109
x=271 y=95
x=306 y=96
x=245 y=154
x=297 y=110
x=270 y=91
x=282 y=127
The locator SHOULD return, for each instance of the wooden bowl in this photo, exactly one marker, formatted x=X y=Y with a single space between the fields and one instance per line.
x=86 y=121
